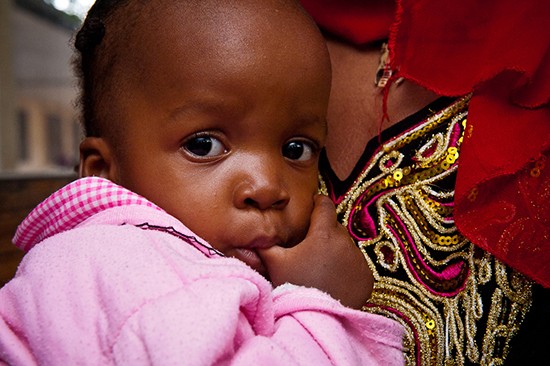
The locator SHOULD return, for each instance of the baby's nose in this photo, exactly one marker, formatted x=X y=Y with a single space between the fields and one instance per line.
x=263 y=202
x=262 y=190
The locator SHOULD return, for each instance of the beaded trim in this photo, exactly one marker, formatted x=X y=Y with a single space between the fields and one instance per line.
x=458 y=304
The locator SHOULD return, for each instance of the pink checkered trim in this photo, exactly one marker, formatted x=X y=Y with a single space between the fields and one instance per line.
x=71 y=205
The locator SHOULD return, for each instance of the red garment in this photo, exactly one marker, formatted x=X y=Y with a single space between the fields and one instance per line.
x=500 y=51
x=356 y=21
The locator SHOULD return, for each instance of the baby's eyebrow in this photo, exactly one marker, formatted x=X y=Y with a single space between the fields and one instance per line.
x=196 y=106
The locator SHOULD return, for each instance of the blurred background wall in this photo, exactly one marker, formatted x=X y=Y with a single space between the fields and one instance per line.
x=39 y=130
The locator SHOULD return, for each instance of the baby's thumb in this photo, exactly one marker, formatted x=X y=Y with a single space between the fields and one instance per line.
x=323 y=215
x=323 y=219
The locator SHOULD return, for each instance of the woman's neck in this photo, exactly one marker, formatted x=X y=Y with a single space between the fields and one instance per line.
x=356 y=105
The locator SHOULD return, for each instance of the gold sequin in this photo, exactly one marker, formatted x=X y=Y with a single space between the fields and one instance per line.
x=539 y=166
x=430 y=324
x=535 y=172
x=472 y=196
x=398 y=174
x=470 y=131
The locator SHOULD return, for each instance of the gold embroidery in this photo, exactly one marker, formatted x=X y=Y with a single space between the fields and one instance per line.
x=458 y=305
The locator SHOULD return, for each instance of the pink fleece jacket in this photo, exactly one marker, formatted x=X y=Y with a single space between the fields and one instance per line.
x=109 y=278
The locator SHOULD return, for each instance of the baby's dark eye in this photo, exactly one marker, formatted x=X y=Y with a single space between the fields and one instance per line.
x=204 y=146
x=298 y=150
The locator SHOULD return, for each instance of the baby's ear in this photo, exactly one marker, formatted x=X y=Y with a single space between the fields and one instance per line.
x=96 y=159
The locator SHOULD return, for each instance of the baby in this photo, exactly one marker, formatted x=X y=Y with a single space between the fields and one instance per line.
x=204 y=123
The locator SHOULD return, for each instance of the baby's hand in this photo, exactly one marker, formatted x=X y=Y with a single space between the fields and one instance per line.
x=326 y=259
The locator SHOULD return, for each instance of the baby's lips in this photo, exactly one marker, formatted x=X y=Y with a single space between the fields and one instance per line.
x=251 y=258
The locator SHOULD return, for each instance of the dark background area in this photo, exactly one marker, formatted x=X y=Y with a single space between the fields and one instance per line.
x=18 y=196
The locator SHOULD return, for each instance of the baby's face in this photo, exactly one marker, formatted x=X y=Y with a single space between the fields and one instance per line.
x=224 y=119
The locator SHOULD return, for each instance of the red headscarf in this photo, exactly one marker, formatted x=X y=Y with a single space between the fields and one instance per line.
x=500 y=51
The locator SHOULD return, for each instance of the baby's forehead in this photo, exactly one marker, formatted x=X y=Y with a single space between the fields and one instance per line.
x=209 y=28
x=138 y=11
x=167 y=44
x=223 y=17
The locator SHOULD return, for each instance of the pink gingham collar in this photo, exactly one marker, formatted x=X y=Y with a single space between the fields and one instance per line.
x=71 y=205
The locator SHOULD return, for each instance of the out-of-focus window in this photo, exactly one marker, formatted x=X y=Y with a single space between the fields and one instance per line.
x=22 y=123
x=39 y=131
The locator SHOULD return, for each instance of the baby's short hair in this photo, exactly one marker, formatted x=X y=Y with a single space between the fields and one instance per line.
x=94 y=58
